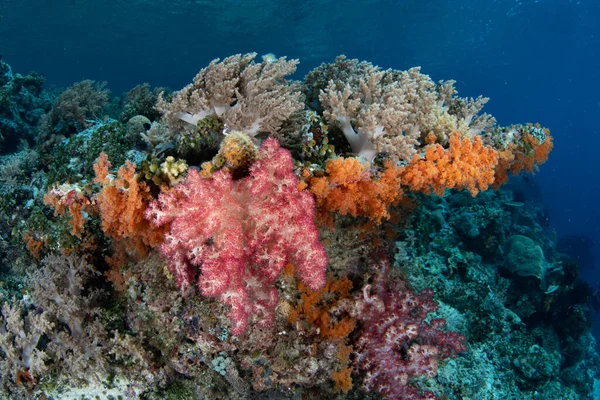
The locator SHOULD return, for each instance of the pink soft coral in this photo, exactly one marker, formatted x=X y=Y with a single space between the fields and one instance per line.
x=238 y=235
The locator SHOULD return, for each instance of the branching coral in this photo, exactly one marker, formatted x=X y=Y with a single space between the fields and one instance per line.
x=348 y=188
x=141 y=101
x=75 y=109
x=247 y=96
x=22 y=362
x=60 y=290
x=241 y=234
x=394 y=111
x=373 y=112
x=466 y=164
x=342 y=70
x=122 y=202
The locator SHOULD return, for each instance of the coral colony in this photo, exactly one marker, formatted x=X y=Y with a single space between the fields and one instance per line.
x=345 y=236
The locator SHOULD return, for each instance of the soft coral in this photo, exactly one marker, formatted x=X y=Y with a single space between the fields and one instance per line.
x=238 y=235
x=466 y=164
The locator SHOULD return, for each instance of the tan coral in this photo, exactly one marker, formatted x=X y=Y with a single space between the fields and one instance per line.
x=393 y=112
x=247 y=96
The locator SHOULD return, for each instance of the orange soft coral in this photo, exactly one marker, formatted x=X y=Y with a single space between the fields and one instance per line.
x=525 y=155
x=73 y=200
x=122 y=203
x=315 y=313
x=348 y=188
x=466 y=164
x=316 y=307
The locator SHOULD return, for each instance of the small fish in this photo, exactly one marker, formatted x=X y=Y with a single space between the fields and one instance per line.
x=269 y=57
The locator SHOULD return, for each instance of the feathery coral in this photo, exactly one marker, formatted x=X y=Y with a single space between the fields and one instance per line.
x=348 y=188
x=466 y=164
x=122 y=202
x=241 y=234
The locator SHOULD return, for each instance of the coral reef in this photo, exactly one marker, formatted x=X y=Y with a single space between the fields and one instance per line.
x=257 y=237
x=22 y=104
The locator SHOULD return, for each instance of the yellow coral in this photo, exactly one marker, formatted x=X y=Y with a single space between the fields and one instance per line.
x=173 y=170
x=236 y=154
x=238 y=150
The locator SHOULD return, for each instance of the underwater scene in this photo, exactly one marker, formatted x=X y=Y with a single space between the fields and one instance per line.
x=299 y=200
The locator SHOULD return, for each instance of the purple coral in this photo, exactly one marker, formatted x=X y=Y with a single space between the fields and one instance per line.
x=396 y=343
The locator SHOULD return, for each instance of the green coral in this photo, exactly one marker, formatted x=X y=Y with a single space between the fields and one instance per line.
x=207 y=136
x=524 y=257
x=73 y=158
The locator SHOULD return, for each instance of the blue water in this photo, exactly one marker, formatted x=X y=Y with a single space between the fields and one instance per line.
x=538 y=61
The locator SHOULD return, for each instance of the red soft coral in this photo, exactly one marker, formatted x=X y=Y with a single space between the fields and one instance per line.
x=238 y=235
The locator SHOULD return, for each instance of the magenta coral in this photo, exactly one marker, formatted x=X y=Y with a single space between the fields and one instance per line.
x=238 y=235
x=396 y=343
